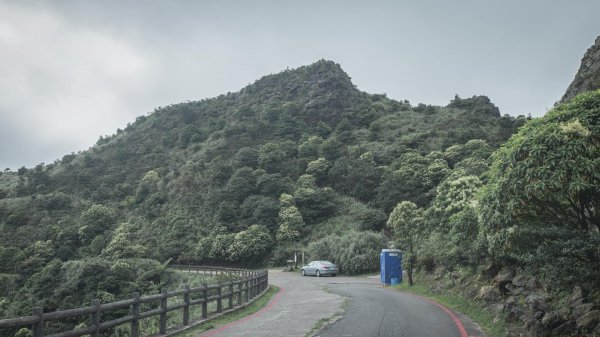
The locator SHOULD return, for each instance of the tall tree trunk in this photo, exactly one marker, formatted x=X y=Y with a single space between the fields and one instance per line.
x=411 y=266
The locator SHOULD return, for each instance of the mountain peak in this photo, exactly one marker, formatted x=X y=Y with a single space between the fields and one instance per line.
x=588 y=75
x=317 y=73
x=323 y=66
x=322 y=90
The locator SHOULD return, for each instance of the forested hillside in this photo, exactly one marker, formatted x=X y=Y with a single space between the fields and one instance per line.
x=291 y=161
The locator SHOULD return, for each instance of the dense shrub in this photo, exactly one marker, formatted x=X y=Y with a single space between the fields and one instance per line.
x=354 y=252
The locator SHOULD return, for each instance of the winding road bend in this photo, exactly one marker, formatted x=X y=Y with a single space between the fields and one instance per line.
x=370 y=311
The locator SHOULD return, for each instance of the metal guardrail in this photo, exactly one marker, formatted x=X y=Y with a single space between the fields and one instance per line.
x=249 y=285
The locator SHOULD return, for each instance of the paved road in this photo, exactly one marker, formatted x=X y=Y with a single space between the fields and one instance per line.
x=370 y=311
x=375 y=311
x=299 y=305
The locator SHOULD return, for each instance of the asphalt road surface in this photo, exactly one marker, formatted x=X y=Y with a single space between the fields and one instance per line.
x=375 y=311
x=354 y=306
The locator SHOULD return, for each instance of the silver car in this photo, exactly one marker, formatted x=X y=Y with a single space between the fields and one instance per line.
x=319 y=268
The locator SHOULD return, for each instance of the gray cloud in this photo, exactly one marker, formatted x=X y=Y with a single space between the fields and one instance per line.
x=73 y=70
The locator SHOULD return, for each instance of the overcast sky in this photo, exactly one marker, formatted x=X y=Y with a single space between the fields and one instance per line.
x=71 y=71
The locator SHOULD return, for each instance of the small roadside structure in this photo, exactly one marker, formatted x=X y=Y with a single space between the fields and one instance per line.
x=391 y=266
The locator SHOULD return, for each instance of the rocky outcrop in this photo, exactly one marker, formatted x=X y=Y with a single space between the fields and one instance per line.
x=487 y=293
x=527 y=307
x=533 y=328
x=588 y=75
x=582 y=309
x=589 y=320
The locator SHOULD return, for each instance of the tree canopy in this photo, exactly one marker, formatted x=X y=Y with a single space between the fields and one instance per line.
x=543 y=195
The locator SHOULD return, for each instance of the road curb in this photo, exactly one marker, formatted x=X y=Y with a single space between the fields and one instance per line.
x=454 y=316
x=247 y=318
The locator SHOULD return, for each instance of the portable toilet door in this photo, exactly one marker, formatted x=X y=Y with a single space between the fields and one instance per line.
x=391 y=266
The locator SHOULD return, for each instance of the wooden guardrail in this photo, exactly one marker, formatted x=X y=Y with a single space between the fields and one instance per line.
x=249 y=285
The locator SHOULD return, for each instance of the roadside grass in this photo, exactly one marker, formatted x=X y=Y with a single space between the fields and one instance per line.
x=462 y=304
x=255 y=306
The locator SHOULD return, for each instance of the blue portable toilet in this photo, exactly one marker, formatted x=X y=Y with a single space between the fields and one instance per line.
x=391 y=266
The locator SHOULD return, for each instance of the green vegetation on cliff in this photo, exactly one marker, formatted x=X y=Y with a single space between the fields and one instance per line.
x=296 y=159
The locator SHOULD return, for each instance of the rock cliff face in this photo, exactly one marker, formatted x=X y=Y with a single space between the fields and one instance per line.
x=588 y=75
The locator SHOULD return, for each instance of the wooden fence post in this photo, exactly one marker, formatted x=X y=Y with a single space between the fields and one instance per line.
x=38 y=326
x=135 y=312
x=247 y=288
x=260 y=283
x=163 y=315
x=95 y=317
x=266 y=280
x=219 y=299
x=240 y=286
x=205 y=303
x=230 y=295
x=257 y=285
x=186 y=309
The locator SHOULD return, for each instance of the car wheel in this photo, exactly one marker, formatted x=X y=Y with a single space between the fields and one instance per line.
x=333 y=275
x=318 y=273
x=302 y=272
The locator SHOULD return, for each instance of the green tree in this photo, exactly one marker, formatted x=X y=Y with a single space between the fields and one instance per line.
x=332 y=149
x=437 y=171
x=318 y=168
x=202 y=250
x=122 y=244
x=356 y=177
x=147 y=186
x=372 y=219
x=306 y=181
x=260 y=210
x=10 y=259
x=475 y=148
x=464 y=228
x=241 y=184
x=219 y=251
x=227 y=213
x=291 y=223
x=286 y=234
x=543 y=187
x=273 y=185
x=472 y=167
x=251 y=245
x=271 y=157
x=407 y=226
x=406 y=183
x=247 y=156
x=95 y=220
x=453 y=195
x=315 y=204
x=309 y=149
x=159 y=273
